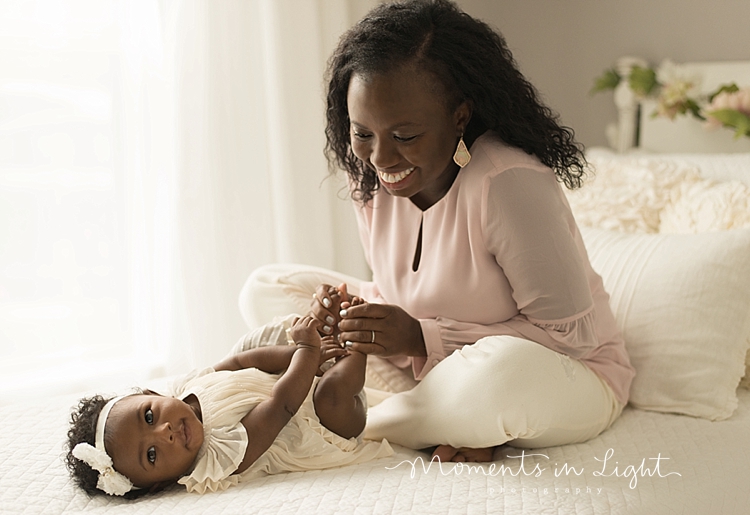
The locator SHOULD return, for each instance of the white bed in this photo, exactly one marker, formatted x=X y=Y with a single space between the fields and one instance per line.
x=711 y=458
x=702 y=459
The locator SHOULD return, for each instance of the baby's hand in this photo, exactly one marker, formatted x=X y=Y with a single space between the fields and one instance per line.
x=304 y=332
x=330 y=350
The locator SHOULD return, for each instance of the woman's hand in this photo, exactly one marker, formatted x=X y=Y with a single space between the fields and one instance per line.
x=381 y=329
x=326 y=305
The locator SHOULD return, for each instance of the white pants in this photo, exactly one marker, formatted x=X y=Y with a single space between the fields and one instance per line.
x=500 y=389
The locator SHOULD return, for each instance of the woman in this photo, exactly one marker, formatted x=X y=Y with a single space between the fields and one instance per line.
x=480 y=281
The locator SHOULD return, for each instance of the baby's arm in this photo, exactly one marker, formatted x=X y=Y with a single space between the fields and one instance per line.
x=273 y=359
x=268 y=418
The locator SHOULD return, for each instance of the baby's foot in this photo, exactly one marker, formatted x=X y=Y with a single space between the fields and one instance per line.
x=463 y=454
x=356 y=301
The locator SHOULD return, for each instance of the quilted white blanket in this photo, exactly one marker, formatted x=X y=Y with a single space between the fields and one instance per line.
x=647 y=463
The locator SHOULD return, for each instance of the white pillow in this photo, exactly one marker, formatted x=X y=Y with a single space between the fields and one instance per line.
x=682 y=302
x=706 y=206
x=641 y=194
x=627 y=194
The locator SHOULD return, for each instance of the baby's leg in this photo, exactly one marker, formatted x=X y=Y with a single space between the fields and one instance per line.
x=336 y=397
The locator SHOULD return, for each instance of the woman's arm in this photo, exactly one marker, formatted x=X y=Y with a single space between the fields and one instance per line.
x=529 y=229
x=268 y=418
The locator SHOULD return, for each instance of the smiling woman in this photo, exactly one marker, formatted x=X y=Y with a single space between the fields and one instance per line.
x=481 y=287
x=398 y=132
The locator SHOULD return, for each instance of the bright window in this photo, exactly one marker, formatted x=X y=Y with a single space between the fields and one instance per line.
x=65 y=292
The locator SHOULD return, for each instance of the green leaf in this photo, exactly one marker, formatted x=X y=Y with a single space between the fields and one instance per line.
x=608 y=80
x=643 y=81
x=724 y=88
x=734 y=119
x=694 y=109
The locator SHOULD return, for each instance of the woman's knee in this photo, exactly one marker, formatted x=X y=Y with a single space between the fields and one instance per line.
x=264 y=295
x=499 y=378
x=248 y=299
x=263 y=277
x=505 y=362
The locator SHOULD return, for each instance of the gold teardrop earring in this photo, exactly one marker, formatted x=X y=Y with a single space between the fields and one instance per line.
x=462 y=156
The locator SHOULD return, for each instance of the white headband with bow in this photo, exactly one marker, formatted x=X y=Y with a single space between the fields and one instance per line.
x=110 y=481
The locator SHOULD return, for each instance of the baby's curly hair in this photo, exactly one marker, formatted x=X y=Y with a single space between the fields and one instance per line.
x=471 y=61
x=83 y=419
x=83 y=429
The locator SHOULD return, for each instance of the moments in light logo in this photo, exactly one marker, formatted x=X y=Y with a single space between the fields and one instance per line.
x=607 y=467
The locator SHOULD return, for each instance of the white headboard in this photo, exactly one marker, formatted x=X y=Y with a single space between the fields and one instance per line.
x=636 y=127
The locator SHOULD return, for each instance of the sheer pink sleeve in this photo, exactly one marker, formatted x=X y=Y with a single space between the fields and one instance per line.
x=443 y=336
x=532 y=234
x=529 y=232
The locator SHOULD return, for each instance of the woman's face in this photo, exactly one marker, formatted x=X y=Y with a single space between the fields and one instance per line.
x=402 y=128
x=157 y=438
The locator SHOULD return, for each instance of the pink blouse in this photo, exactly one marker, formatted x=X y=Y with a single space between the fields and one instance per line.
x=501 y=255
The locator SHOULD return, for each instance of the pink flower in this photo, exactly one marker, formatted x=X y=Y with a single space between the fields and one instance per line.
x=737 y=101
x=674 y=99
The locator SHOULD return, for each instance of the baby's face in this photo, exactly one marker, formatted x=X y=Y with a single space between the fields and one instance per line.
x=155 y=439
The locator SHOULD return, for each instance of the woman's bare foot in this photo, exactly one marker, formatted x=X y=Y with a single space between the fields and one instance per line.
x=463 y=454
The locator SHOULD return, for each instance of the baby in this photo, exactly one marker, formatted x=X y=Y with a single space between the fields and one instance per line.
x=265 y=410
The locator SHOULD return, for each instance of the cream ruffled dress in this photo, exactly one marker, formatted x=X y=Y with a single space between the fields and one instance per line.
x=304 y=444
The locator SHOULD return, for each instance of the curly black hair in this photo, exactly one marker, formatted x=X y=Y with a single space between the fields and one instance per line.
x=83 y=419
x=470 y=60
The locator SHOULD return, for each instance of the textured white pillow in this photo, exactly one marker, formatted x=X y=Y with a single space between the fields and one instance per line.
x=627 y=194
x=706 y=206
x=641 y=194
x=683 y=304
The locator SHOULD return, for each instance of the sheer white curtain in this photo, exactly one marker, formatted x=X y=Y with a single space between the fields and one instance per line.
x=152 y=154
x=250 y=120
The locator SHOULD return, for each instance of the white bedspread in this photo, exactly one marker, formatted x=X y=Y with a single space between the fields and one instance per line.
x=711 y=458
